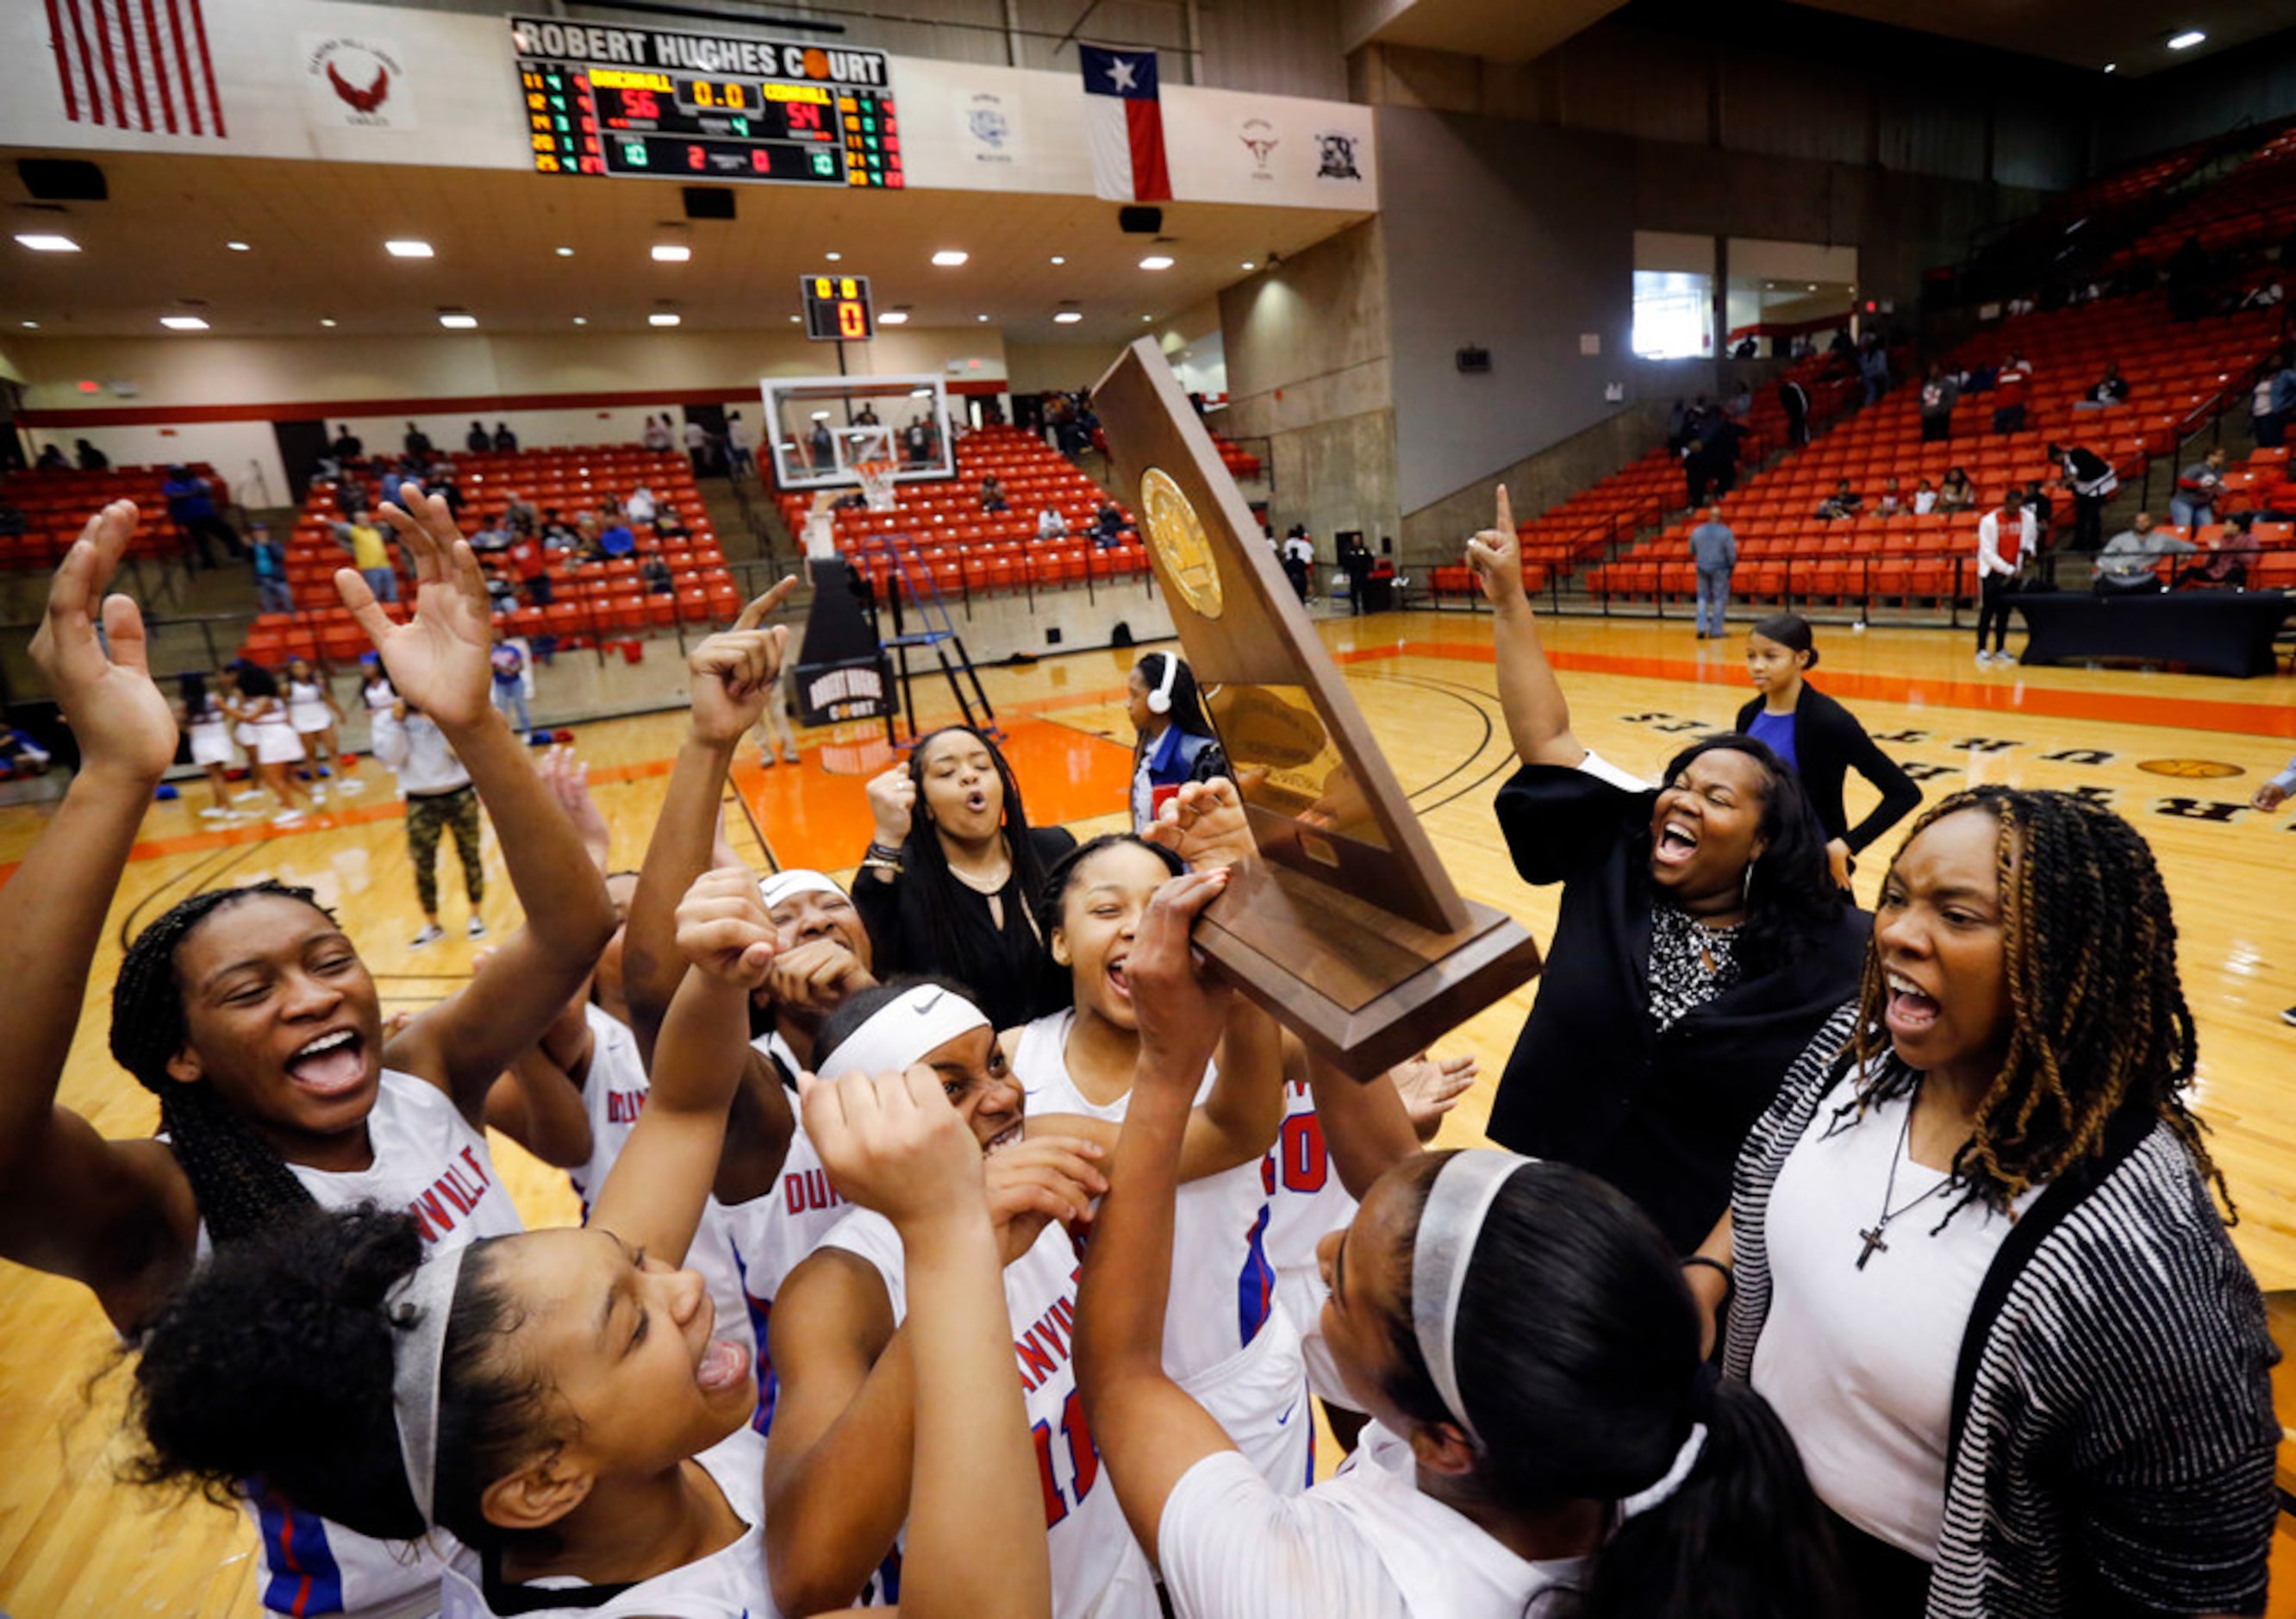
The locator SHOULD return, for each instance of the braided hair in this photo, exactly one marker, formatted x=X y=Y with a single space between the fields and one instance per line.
x=239 y=1182
x=2098 y=1021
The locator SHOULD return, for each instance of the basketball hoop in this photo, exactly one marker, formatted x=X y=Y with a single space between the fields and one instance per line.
x=876 y=483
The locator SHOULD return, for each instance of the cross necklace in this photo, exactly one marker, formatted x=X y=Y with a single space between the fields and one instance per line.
x=1872 y=1237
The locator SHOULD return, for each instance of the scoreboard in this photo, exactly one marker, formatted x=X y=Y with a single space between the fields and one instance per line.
x=665 y=103
x=837 y=307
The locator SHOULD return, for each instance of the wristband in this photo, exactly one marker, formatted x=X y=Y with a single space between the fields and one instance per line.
x=880 y=851
x=1729 y=1280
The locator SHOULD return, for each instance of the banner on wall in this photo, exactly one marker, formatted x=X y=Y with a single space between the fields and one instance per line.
x=356 y=82
x=135 y=68
x=1124 y=121
x=991 y=128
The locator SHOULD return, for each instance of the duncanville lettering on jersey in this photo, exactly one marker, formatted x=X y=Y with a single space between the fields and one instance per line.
x=809 y=1189
x=453 y=1195
x=1044 y=1349
x=624 y=1106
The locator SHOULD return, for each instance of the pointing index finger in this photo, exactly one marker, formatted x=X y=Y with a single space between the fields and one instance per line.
x=1506 y=520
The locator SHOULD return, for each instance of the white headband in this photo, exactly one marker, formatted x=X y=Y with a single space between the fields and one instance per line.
x=1457 y=1204
x=418 y=1305
x=921 y=1018
x=788 y=885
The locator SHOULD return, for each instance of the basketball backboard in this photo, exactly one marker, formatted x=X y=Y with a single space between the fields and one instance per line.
x=819 y=429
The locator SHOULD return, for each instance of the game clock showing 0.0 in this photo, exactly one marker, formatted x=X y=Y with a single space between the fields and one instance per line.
x=837 y=307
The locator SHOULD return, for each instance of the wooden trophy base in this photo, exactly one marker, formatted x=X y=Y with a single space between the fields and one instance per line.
x=1362 y=988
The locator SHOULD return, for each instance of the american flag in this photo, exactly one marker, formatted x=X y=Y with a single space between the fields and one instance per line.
x=136 y=64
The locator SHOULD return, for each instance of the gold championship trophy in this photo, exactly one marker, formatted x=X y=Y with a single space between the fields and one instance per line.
x=1346 y=929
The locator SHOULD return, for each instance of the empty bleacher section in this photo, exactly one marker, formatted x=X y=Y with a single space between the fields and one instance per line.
x=591 y=600
x=2254 y=206
x=966 y=551
x=2179 y=375
x=54 y=505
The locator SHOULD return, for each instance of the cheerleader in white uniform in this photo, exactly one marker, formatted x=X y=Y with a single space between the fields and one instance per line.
x=271 y=742
x=1227 y=1338
x=1544 y=1435
x=248 y=1015
x=838 y=1481
x=206 y=727
x=316 y=715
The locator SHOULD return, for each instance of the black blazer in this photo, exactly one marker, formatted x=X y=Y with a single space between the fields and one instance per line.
x=1828 y=743
x=1591 y=1081
x=1009 y=971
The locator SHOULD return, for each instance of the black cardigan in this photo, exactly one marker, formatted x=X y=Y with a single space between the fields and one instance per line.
x=1009 y=972
x=1828 y=743
x=1591 y=1081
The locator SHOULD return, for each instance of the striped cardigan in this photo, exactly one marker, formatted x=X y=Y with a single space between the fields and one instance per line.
x=2112 y=1436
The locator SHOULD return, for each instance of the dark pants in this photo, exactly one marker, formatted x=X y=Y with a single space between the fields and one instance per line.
x=1796 y=427
x=1296 y=571
x=2271 y=430
x=1884 y=1582
x=428 y=816
x=1992 y=593
x=537 y=589
x=2089 y=521
x=1936 y=429
x=198 y=530
x=2009 y=419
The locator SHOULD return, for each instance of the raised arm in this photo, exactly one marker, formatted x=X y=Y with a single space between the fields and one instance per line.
x=655 y=1196
x=976 y=1532
x=440 y=662
x=1537 y=717
x=539 y=1101
x=1367 y=1130
x=732 y=678
x=117 y=1216
x=1149 y=1430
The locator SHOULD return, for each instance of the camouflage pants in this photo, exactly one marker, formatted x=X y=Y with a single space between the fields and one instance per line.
x=426 y=820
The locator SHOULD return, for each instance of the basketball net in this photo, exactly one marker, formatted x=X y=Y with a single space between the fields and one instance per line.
x=876 y=483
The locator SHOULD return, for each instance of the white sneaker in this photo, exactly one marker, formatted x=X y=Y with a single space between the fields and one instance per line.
x=350 y=783
x=216 y=813
x=252 y=792
x=430 y=934
x=288 y=818
x=318 y=795
x=477 y=928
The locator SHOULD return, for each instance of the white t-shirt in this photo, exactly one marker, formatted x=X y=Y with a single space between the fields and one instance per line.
x=729 y=1583
x=1367 y=1544
x=614 y=1092
x=1859 y=1364
x=1099 y=1571
x=430 y=1161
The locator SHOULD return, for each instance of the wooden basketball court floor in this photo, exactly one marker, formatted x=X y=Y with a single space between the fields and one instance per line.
x=2179 y=755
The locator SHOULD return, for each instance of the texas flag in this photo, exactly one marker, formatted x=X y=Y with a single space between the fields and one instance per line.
x=1125 y=123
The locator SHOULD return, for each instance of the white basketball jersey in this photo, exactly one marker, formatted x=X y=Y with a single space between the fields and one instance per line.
x=430 y=1161
x=727 y=1584
x=614 y=1090
x=1099 y=1571
x=1228 y=1341
x=772 y=1233
x=1306 y=1203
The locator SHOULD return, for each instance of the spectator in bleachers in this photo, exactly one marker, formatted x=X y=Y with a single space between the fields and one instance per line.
x=1714 y=550
x=478 y=441
x=519 y=516
x=510 y=684
x=2092 y=481
x=992 y=495
x=866 y=416
x=506 y=441
x=1108 y=526
x=417 y=446
x=191 y=501
x=346 y=447
x=1873 y=369
x=821 y=447
x=2283 y=400
x=657 y=434
x=2112 y=389
x=615 y=540
x=2231 y=557
x=557 y=533
x=2268 y=295
x=698 y=442
x=668 y=527
x=2010 y=385
x=1940 y=394
x=655 y=571
x=2125 y=566
x=2194 y=503
x=1844 y=502
x=1720 y=436
x=1678 y=425
x=1842 y=347
x=1925 y=498
x=52 y=459
x=916 y=442
x=529 y=564
x=1956 y=493
x=1893 y=503
x=370 y=554
x=268 y=558
x=2004 y=541
x=90 y=459
x=350 y=496
x=1051 y=524
x=1740 y=404
x=2019 y=305
x=740 y=447
x=642 y=505
x=1794 y=399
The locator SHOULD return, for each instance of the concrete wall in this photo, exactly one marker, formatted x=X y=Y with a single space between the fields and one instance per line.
x=2256 y=82
x=1437 y=533
x=1307 y=344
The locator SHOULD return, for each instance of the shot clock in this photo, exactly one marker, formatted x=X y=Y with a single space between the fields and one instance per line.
x=665 y=103
x=837 y=308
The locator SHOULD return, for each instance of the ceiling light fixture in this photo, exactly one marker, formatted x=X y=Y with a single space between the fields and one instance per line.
x=238 y=247
x=894 y=317
x=920 y=393
x=41 y=241
x=1057 y=258
x=326 y=320
x=661 y=320
x=29 y=325
x=566 y=252
x=949 y=258
x=1067 y=317
x=1145 y=319
x=458 y=322
x=671 y=252
x=2112 y=67
x=581 y=320
x=980 y=317
x=833 y=258
x=183 y=323
x=1248 y=265
x=407 y=248
x=1157 y=261
x=2186 y=40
